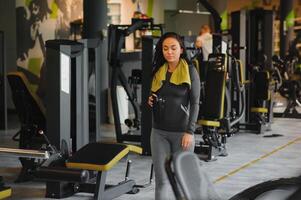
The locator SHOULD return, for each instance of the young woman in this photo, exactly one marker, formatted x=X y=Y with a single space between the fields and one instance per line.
x=175 y=101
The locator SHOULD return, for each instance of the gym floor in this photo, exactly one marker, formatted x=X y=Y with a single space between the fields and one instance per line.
x=252 y=159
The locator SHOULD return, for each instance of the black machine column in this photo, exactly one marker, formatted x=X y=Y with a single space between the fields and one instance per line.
x=3 y=110
x=148 y=46
x=95 y=18
x=256 y=28
x=239 y=42
x=94 y=25
x=117 y=35
x=252 y=29
x=97 y=79
x=260 y=41
x=217 y=37
x=286 y=9
x=65 y=99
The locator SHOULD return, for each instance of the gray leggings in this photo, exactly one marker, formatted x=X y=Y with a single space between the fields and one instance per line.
x=164 y=143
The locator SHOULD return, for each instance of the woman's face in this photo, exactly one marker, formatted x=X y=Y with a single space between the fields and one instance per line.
x=171 y=50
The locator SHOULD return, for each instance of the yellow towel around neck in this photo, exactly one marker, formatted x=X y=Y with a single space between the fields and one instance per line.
x=179 y=76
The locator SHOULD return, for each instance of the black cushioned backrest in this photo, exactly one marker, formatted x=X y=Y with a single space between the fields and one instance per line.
x=201 y=66
x=28 y=104
x=261 y=85
x=214 y=95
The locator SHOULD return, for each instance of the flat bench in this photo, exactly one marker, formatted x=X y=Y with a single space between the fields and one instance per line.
x=94 y=157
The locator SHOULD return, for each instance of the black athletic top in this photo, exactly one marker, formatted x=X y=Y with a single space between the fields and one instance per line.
x=176 y=107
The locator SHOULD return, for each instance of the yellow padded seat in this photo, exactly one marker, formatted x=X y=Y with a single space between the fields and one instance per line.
x=259 y=110
x=209 y=123
x=100 y=156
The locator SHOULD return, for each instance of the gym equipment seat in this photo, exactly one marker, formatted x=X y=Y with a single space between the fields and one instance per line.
x=261 y=106
x=212 y=112
x=94 y=158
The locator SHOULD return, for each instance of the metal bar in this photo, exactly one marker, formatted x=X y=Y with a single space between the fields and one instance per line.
x=3 y=103
x=27 y=153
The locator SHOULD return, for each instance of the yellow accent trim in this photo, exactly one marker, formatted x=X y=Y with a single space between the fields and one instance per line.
x=34 y=65
x=269 y=92
x=134 y=148
x=96 y=167
x=241 y=78
x=5 y=193
x=226 y=63
x=209 y=123
x=223 y=97
x=197 y=65
x=268 y=75
x=259 y=110
x=256 y=160
x=27 y=84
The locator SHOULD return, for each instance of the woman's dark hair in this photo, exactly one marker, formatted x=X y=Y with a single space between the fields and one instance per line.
x=159 y=59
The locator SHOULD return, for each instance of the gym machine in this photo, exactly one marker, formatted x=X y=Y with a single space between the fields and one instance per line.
x=148 y=46
x=289 y=68
x=3 y=106
x=93 y=70
x=247 y=27
x=217 y=117
x=212 y=107
x=31 y=114
x=25 y=156
x=73 y=114
x=66 y=175
x=66 y=102
x=117 y=35
x=212 y=113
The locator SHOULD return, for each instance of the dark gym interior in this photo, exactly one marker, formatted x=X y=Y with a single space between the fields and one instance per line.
x=75 y=79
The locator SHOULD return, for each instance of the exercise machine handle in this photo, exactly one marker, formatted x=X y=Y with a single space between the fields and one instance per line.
x=137 y=25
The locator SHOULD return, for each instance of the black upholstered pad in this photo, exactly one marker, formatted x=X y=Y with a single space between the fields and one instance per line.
x=261 y=86
x=28 y=104
x=98 y=156
x=214 y=95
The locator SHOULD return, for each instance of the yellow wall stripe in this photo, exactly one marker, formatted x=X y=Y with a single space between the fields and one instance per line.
x=150 y=6
x=54 y=10
x=256 y=160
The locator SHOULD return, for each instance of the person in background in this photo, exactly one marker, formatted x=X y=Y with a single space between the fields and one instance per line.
x=204 y=41
x=174 y=99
